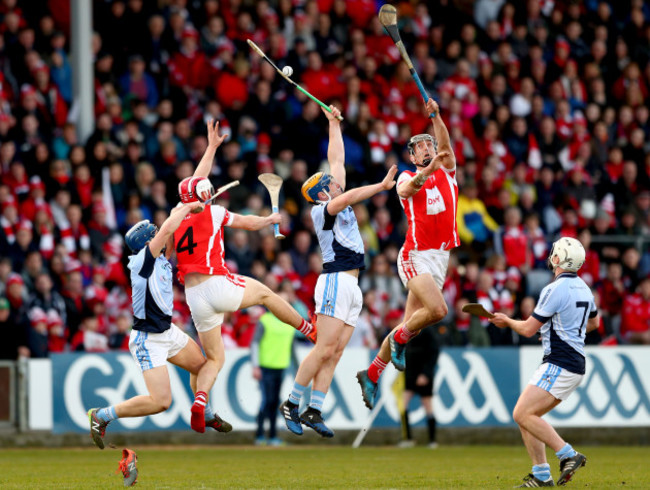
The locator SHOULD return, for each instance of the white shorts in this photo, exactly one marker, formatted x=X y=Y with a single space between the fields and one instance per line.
x=338 y=295
x=151 y=350
x=417 y=262
x=209 y=300
x=557 y=381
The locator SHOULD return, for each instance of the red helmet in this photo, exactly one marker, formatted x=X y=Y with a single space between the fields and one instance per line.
x=193 y=189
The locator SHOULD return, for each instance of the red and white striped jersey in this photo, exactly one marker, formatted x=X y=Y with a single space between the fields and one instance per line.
x=431 y=212
x=199 y=242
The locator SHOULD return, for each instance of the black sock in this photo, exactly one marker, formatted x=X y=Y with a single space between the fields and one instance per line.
x=406 y=427
x=431 y=425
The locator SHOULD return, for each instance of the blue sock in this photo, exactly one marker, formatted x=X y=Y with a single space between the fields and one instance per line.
x=107 y=414
x=542 y=471
x=317 y=400
x=566 y=452
x=296 y=393
x=208 y=414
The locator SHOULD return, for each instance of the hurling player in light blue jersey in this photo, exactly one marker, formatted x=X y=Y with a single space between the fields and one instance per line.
x=337 y=294
x=564 y=314
x=154 y=339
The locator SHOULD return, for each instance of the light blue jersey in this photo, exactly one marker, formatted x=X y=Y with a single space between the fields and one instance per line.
x=152 y=295
x=339 y=239
x=564 y=307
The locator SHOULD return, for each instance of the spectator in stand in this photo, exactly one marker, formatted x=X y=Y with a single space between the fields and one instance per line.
x=137 y=83
x=45 y=298
x=512 y=243
x=635 y=324
x=119 y=340
x=382 y=279
x=38 y=335
x=475 y=225
x=88 y=339
x=537 y=242
x=14 y=334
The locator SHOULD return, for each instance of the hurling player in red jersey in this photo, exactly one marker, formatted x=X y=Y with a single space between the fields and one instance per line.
x=429 y=197
x=210 y=288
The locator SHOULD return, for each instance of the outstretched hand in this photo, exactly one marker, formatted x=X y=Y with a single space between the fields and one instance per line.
x=432 y=107
x=332 y=116
x=275 y=218
x=388 y=183
x=436 y=163
x=214 y=140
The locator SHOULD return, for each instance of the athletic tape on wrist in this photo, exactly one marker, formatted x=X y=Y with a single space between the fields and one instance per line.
x=419 y=180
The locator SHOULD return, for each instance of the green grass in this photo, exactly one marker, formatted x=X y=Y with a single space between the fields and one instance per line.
x=312 y=467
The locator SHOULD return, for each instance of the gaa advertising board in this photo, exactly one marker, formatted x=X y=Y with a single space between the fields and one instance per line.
x=474 y=387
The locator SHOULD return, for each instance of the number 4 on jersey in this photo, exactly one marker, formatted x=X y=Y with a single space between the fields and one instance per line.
x=188 y=237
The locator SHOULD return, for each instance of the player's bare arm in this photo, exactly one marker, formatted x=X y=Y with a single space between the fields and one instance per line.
x=335 y=149
x=592 y=323
x=214 y=142
x=170 y=225
x=254 y=223
x=411 y=186
x=359 y=194
x=527 y=328
x=441 y=134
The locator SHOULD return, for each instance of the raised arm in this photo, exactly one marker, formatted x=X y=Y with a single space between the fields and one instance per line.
x=214 y=141
x=335 y=149
x=170 y=225
x=410 y=187
x=441 y=134
x=254 y=223
x=359 y=194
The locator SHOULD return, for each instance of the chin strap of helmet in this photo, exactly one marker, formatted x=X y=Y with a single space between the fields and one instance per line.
x=329 y=198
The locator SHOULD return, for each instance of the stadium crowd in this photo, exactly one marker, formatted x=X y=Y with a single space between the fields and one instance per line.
x=546 y=103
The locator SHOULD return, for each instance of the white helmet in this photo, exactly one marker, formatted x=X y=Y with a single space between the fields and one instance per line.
x=570 y=252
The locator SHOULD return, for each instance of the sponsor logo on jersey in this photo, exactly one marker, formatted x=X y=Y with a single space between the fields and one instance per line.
x=435 y=202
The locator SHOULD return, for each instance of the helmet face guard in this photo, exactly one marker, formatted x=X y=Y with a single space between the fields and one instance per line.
x=412 y=143
x=314 y=185
x=139 y=234
x=192 y=189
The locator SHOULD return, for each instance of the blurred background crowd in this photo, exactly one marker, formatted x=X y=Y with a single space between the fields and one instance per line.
x=546 y=103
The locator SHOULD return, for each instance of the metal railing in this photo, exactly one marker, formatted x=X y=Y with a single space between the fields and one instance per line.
x=637 y=241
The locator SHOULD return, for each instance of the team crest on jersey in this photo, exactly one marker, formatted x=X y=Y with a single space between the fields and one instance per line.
x=435 y=202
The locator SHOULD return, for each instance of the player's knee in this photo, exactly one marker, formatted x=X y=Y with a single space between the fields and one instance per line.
x=518 y=415
x=327 y=351
x=437 y=312
x=163 y=401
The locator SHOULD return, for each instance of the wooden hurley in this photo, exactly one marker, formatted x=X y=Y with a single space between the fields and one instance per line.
x=273 y=183
x=477 y=309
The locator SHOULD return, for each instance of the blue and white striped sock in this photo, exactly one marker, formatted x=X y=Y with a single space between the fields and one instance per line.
x=296 y=393
x=107 y=414
x=317 y=400
x=566 y=452
x=542 y=471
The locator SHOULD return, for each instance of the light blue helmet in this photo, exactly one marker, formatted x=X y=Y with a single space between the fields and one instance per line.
x=139 y=234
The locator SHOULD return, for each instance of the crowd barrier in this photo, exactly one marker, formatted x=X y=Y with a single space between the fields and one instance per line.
x=473 y=387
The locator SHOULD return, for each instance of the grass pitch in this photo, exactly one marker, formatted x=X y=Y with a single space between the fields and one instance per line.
x=313 y=467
